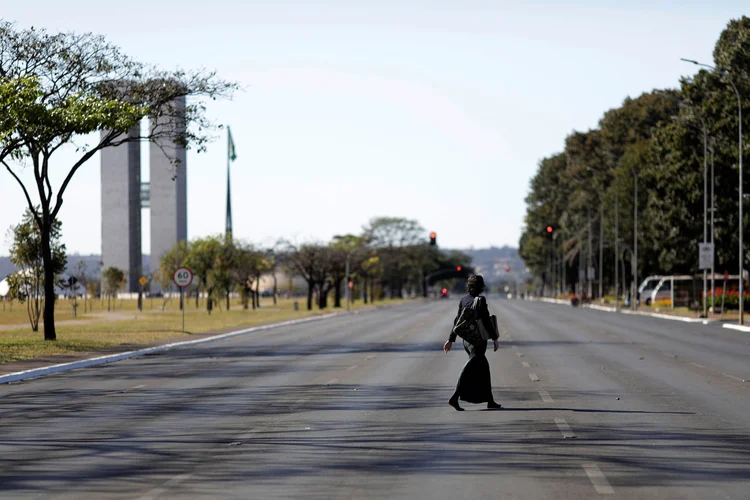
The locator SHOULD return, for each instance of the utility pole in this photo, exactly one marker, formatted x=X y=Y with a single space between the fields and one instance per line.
x=588 y=261
x=635 y=241
x=348 y=290
x=601 y=251
x=617 y=249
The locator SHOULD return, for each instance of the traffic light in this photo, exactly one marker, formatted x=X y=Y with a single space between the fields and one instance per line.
x=458 y=268
x=550 y=229
x=433 y=239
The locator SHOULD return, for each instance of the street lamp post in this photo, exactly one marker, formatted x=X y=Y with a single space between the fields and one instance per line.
x=725 y=73
x=617 y=248
x=634 y=299
x=705 y=190
x=601 y=252
x=713 y=233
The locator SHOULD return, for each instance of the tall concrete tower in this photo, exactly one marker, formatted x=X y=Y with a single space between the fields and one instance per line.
x=123 y=197
x=121 y=209
x=168 y=192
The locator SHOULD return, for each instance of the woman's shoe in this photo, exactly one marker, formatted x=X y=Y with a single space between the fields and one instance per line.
x=493 y=406
x=454 y=404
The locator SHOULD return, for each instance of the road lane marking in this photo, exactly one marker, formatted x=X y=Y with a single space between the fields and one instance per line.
x=296 y=406
x=738 y=379
x=533 y=377
x=157 y=492
x=525 y=364
x=567 y=432
x=598 y=479
x=519 y=354
x=370 y=357
x=332 y=381
x=139 y=386
x=546 y=397
x=353 y=367
x=697 y=365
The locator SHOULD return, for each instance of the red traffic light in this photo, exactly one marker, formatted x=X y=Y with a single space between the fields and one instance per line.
x=445 y=290
x=458 y=268
x=550 y=229
x=433 y=235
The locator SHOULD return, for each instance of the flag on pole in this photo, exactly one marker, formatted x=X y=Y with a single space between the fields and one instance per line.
x=231 y=151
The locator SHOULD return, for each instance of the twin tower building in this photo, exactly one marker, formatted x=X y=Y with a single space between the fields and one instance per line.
x=124 y=196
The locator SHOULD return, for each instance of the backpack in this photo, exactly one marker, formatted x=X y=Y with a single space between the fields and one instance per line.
x=469 y=327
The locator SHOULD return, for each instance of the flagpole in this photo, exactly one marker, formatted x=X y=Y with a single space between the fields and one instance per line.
x=229 y=194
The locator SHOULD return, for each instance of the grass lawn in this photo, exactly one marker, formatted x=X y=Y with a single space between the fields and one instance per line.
x=127 y=326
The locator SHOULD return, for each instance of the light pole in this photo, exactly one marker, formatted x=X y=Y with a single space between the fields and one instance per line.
x=695 y=110
x=713 y=233
x=634 y=299
x=617 y=248
x=348 y=290
x=725 y=73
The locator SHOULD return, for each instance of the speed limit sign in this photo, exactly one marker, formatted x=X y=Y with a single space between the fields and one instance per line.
x=183 y=277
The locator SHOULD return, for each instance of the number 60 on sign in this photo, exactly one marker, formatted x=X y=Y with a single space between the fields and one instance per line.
x=183 y=277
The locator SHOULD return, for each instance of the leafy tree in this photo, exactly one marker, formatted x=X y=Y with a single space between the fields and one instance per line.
x=306 y=261
x=201 y=258
x=112 y=280
x=26 y=253
x=57 y=87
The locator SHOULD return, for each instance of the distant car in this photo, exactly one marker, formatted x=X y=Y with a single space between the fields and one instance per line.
x=154 y=294
x=444 y=293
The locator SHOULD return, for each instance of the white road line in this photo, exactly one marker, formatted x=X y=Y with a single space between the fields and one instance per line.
x=519 y=354
x=525 y=364
x=353 y=367
x=697 y=365
x=332 y=381
x=738 y=379
x=157 y=492
x=248 y=434
x=297 y=405
x=598 y=479
x=567 y=432
x=139 y=386
x=546 y=397
x=370 y=357
x=533 y=377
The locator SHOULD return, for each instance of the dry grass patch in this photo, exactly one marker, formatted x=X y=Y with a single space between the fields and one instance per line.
x=128 y=326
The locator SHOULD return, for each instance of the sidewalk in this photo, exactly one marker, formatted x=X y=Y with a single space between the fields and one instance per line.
x=653 y=314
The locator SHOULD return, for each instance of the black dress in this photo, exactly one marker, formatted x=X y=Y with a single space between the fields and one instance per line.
x=474 y=383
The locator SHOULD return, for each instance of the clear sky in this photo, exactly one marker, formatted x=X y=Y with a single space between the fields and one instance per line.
x=429 y=109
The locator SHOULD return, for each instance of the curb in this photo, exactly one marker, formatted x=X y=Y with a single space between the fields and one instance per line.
x=112 y=358
x=732 y=326
x=640 y=313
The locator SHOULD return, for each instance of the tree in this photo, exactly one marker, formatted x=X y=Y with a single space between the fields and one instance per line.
x=201 y=259
x=391 y=237
x=306 y=261
x=112 y=279
x=26 y=253
x=220 y=276
x=57 y=87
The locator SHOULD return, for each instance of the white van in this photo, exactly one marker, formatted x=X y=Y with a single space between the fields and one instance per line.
x=647 y=287
x=672 y=291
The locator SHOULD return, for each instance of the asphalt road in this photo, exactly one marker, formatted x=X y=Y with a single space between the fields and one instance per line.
x=595 y=404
